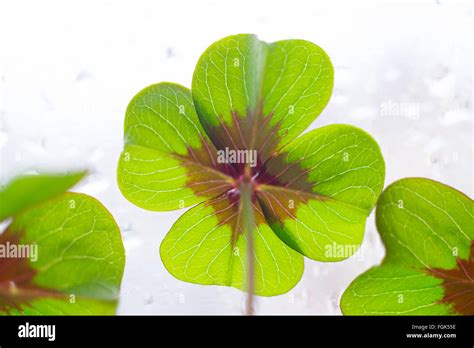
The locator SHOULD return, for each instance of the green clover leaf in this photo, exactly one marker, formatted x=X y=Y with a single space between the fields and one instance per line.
x=250 y=100
x=428 y=231
x=28 y=190
x=61 y=252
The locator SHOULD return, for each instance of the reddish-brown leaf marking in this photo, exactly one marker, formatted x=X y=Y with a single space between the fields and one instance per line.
x=279 y=186
x=458 y=284
x=17 y=287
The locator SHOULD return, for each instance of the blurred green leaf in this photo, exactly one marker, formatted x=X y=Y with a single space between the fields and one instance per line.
x=59 y=256
x=25 y=191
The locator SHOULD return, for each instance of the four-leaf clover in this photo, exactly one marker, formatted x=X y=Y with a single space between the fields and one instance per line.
x=310 y=194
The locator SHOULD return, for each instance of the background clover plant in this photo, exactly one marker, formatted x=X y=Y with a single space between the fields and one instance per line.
x=79 y=259
x=305 y=194
x=428 y=231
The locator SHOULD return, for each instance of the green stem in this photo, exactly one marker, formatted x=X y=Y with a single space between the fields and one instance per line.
x=248 y=221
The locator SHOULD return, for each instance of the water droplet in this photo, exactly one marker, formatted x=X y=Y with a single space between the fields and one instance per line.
x=334 y=300
x=3 y=138
x=148 y=299
x=304 y=297
x=170 y=52
x=83 y=75
x=443 y=87
x=47 y=101
x=126 y=228
x=96 y=155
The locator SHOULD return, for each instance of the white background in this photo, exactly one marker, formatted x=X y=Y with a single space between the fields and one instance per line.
x=69 y=68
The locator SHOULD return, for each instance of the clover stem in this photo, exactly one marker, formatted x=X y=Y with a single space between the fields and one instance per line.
x=248 y=221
